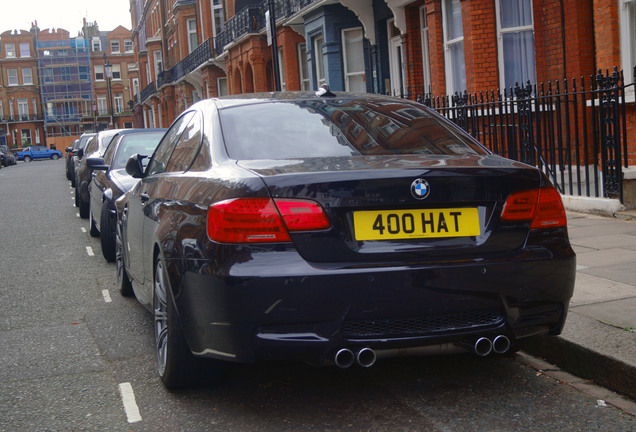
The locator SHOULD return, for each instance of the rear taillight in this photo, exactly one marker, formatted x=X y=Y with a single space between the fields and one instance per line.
x=543 y=207
x=261 y=220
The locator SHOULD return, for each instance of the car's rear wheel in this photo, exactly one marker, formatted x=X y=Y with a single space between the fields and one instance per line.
x=107 y=225
x=175 y=363
x=125 y=286
x=91 y=223
x=27 y=158
x=54 y=157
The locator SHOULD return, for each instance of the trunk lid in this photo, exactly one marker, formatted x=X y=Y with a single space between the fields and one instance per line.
x=459 y=217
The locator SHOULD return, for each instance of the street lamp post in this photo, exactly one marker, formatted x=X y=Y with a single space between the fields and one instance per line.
x=108 y=72
x=94 y=116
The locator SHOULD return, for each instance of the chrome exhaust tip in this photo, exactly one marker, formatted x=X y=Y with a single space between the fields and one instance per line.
x=501 y=344
x=483 y=347
x=366 y=357
x=344 y=358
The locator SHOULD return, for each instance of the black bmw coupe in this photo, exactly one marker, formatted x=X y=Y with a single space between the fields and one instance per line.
x=336 y=229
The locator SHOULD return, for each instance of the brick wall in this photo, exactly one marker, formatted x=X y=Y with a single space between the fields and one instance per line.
x=480 y=44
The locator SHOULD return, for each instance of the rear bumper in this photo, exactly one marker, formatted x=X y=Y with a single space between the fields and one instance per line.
x=274 y=305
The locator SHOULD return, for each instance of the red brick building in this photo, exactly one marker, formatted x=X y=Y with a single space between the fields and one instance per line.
x=20 y=104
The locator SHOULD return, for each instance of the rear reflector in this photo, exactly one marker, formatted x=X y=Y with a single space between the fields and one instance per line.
x=262 y=220
x=543 y=207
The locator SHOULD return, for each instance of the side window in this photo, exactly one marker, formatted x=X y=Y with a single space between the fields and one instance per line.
x=159 y=160
x=91 y=146
x=187 y=147
x=108 y=154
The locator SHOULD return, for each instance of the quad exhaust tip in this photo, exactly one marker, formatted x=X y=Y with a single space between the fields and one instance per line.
x=345 y=358
x=499 y=345
x=483 y=346
x=366 y=357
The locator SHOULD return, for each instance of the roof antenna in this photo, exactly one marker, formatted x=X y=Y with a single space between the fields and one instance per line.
x=324 y=91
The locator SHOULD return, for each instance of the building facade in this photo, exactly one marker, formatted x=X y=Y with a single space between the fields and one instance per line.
x=21 y=116
x=400 y=47
x=54 y=87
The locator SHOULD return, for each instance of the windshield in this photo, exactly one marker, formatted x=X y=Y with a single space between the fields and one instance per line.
x=329 y=128
x=139 y=143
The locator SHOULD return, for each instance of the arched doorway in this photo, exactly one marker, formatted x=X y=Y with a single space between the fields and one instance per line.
x=249 y=79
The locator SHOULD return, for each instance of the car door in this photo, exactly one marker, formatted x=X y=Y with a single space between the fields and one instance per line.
x=39 y=152
x=141 y=205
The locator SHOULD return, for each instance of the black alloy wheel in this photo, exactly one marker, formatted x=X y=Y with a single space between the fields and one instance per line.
x=176 y=365
x=125 y=286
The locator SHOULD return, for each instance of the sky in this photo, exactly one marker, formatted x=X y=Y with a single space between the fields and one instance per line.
x=66 y=14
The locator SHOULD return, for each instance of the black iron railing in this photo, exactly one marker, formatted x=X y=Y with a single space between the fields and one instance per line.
x=250 y=19
x=196 y=58
x=573 y=130
x=148 y=91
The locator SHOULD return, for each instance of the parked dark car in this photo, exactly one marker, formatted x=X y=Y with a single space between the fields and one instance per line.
x=7 y=158
x=334 y=228
x=73 y=158
x=95 y=147
x=70 y=172
x=110 y=181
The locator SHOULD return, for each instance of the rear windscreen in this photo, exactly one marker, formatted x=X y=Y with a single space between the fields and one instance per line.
x=331 y=128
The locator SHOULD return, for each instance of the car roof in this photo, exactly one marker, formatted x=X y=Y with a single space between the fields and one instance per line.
x=252 y=98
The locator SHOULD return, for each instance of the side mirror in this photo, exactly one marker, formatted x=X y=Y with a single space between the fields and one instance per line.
x=68 y=149
x=134 y=168
x=96 y=163
x=80 y=153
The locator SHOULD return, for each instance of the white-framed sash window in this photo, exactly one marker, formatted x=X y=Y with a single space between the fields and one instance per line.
x=281 y=69
x=191 y=28
x=515 y=42
x=454 y=46
x=426 y=57
x=302 y=66
x=353 y=55
x=319 y=61
x=627 y=12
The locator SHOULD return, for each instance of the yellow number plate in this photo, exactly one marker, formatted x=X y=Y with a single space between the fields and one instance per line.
x=404 y=224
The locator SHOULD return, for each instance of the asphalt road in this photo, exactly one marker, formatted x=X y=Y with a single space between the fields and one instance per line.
x=69 y=343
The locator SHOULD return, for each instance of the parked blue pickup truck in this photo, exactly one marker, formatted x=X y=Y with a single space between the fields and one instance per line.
x=28 y=154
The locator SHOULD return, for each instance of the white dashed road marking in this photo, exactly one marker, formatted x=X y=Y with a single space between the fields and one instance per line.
x=89 y=251
x=106 y=295
x=83 y=229
x=130 y=405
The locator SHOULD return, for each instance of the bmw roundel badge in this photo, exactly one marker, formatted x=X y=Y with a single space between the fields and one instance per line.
x=420 y=188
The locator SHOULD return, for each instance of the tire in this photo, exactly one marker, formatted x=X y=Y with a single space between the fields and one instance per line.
x=107 y=225
x=84 y=208
x=176 y=365
x=125 y=286
x=55 y=157
x=76 y=197
x=94 y=232
x=27 y=158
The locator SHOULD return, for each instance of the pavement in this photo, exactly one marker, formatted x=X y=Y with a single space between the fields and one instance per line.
x=598 y=342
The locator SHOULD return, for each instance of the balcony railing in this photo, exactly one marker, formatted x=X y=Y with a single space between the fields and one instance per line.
x=21 y=118
x=148 y=91
x=250 y=19
x=196 y=58
x=164 y=77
